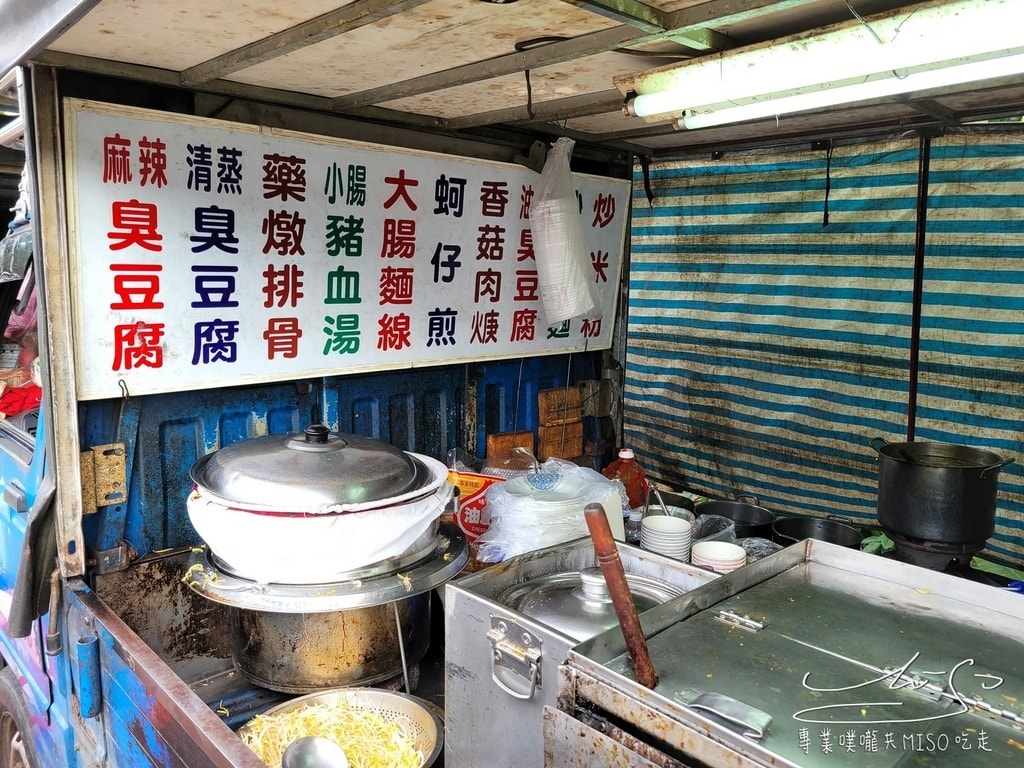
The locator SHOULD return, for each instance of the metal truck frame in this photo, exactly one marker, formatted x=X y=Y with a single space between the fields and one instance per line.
x=108 y=658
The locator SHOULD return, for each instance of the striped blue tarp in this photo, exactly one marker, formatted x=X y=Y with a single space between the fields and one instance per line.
x=766 y=349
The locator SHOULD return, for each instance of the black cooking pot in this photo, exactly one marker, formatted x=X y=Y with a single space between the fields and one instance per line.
x=789 y=530
x=937 y=491
x=749 y=517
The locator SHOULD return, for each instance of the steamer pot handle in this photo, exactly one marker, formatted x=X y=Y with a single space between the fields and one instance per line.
x=534 y=675
x=753 y=721
x=998 y=465
x=516 y=650
x=749 y=498
x=878 y=443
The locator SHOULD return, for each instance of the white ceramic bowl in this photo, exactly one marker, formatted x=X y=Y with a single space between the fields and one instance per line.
x=665 y=525
x=722 y=556
x=681 y=553
x=669 y=511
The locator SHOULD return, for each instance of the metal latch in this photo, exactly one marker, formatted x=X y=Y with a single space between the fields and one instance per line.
x=518 y=650
x=743 y=622
x=103 y=476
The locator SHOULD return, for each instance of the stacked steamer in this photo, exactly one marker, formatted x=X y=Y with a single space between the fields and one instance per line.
x=328 y=543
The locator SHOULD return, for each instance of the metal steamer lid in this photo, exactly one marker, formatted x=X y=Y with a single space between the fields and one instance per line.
x=578 y=603
x=308 y=470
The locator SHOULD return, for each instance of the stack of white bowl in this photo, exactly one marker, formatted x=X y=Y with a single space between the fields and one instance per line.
x=720 y=556
x=669 y=536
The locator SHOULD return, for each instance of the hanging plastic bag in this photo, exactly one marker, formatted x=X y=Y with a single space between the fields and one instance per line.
x=563 y=265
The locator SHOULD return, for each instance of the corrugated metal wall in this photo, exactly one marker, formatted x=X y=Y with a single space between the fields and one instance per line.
x=427 y=410
x=766 y=349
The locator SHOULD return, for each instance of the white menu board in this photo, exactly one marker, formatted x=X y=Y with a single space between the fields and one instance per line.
x=207 y=253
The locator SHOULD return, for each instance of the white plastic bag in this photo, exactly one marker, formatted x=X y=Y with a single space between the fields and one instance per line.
x=563 y=265
x=541 y=509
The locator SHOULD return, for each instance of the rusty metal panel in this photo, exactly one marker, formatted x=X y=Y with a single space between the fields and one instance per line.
x=150 y=716
x=103 y=476
x=569 y=743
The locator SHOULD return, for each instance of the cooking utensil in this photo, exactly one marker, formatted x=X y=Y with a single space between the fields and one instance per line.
x=577 y=603
x=307 y=508
x=677 y=505
x=491 y=631
x=313 y=752
x=302 y=638
x=937 y=492
x=749 y=517
x=789 y=530
x=790 y=636
x=416 y=715
x=311 y=472
x=615 y=576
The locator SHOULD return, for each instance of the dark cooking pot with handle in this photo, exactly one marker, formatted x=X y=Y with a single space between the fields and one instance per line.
x=937 y=491
x=749 y=517
x=836 y=530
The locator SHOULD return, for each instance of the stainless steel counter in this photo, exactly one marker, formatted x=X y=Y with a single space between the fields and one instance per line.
x=494 y=700
x=815 y=656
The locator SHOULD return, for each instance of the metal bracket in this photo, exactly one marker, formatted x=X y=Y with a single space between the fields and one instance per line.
x=104 y=479
x=110 y=560
x=743 y=622
x=517 y=649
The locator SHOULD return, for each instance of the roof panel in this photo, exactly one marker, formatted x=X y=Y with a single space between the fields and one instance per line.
x=429 y=38
x=177 y=35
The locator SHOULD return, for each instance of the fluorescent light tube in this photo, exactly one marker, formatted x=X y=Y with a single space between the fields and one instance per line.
x=874 y=89
x=13 y=133
x=917 y=40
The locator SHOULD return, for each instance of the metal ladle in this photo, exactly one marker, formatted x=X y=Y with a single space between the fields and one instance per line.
x=313 y=752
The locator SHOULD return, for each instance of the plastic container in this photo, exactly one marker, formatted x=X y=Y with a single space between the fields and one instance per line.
x=633 y=521
x=714 y=528
x=626 y=470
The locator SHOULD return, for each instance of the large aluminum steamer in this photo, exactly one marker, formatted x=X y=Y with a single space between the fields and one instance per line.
x=817 y=655
x=510 y=626
x=325 y=548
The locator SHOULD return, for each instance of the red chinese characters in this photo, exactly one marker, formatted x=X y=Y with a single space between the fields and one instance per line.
x=134 y=229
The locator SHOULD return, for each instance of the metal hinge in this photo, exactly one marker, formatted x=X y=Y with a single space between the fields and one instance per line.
x=743 y=622
x=116 y=558
x=103 y=476
x=518 y=650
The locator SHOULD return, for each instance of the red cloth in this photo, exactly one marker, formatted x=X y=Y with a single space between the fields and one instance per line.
x=18 y=399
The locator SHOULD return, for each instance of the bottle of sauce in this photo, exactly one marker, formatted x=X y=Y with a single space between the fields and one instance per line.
x=626 y=469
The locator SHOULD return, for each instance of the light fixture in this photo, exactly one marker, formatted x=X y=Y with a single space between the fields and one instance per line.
x=9 y=83
x=874 y=89
x=12 y=135
x=928 y=46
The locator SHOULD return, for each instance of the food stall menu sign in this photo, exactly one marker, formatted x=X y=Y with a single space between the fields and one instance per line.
x=212 y=253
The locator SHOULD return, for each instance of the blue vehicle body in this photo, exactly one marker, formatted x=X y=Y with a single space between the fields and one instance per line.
x=114 y=661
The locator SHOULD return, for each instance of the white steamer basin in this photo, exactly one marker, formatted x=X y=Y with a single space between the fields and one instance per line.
x=311 y=548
